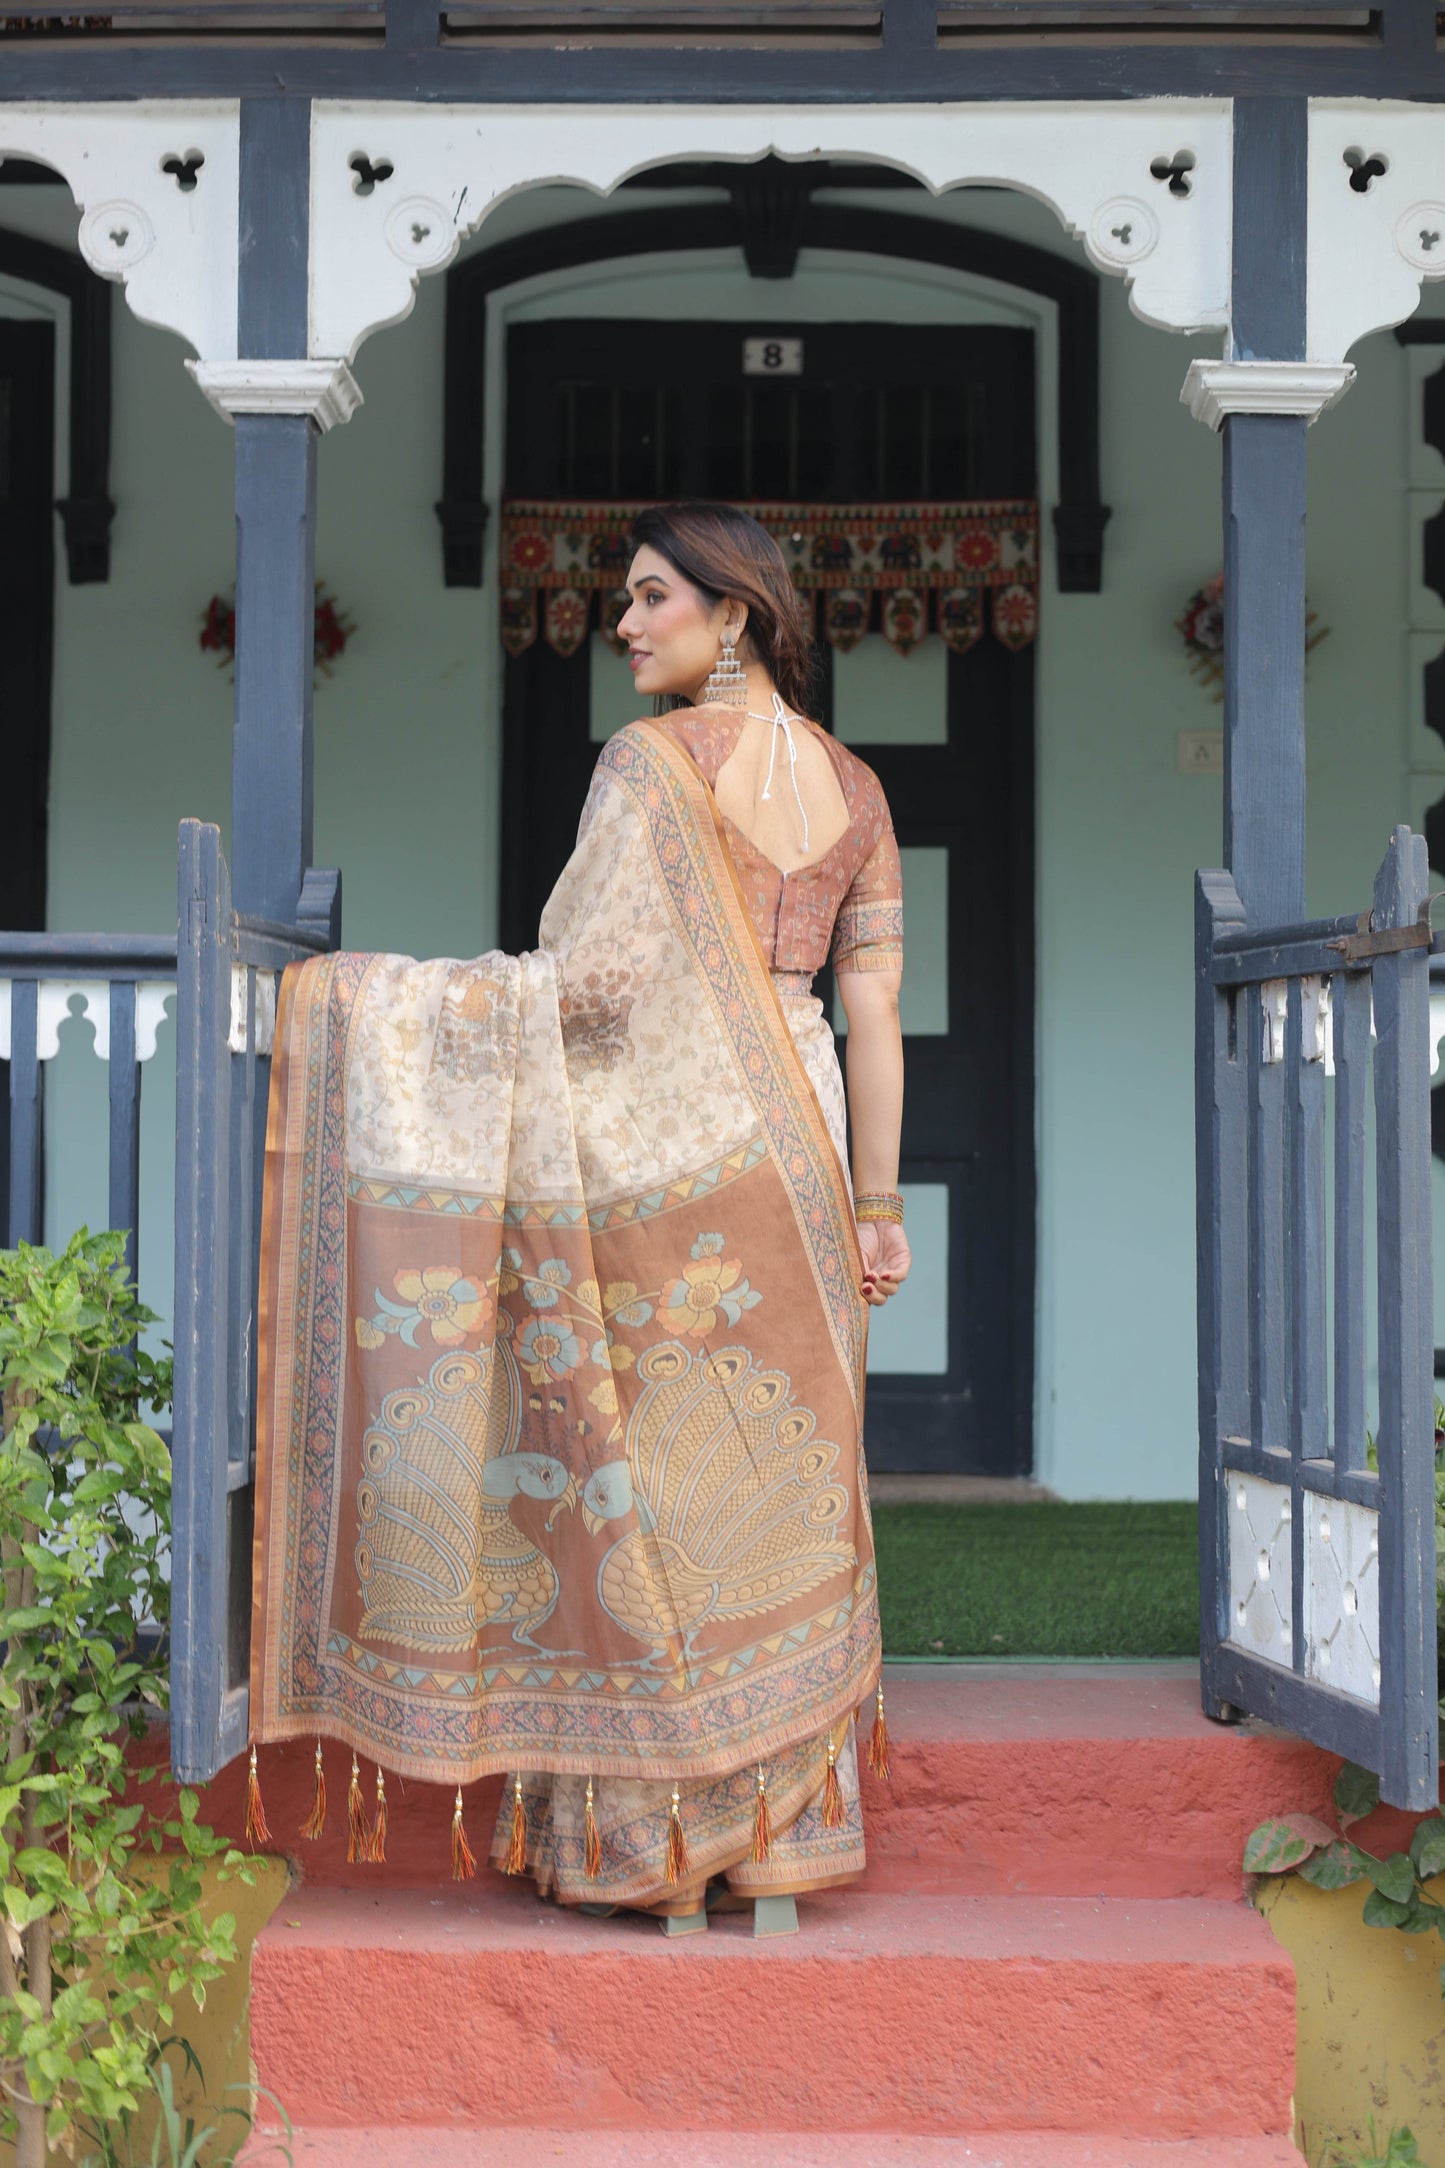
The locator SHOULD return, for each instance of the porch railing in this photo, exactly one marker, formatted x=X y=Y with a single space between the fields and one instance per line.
x=221 y=973
x=1317 y=1568
x=124 y=983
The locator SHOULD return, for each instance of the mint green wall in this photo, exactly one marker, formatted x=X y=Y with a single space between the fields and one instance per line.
x=407 y=739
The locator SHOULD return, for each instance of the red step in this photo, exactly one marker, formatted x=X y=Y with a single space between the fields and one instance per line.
x=1074 y=1780
x=1032 y=1779
x=474 y=2008
x=534 y=2148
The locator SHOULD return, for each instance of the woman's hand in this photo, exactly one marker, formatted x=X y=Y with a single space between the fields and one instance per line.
x=886 y=1259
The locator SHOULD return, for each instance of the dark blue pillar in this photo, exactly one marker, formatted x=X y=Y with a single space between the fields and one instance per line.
x=1264 y=523
x=271 y=774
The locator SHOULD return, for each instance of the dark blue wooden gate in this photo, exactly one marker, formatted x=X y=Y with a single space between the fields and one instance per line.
x=1317 y=1555
x=227 y=970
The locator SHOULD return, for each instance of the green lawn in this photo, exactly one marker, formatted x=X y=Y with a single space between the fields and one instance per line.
x=1038 y=1579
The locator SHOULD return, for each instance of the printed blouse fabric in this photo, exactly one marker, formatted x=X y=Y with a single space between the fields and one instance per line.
x=847 y=906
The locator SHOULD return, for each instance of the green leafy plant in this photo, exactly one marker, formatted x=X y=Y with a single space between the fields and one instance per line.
x=176 y=2142
x=1302 y=1844
x=1400 y=2151
x=103 y=1925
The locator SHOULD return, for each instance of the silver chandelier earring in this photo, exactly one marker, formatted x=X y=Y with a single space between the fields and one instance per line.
x=727 y=682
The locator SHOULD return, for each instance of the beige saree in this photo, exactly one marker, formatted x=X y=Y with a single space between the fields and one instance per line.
x=562 y=1354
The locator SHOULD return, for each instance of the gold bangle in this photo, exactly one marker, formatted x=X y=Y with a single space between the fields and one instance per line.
x=884 y=1204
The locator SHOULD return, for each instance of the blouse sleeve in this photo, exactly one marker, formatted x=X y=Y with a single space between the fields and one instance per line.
x=868 y=935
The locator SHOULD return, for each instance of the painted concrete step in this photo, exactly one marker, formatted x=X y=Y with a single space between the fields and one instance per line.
x=902 y=2014
x=535 y=2148
x=1036 y=1779
x=1076 y=1779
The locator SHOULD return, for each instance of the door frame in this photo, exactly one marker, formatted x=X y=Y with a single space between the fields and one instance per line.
x=924 y=1407
x=30 y=572
x=1073 y=290
x=938 y=1395
x=86 y=511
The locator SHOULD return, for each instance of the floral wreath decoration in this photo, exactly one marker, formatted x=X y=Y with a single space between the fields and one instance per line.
x=1201 y=627
x=333 y=628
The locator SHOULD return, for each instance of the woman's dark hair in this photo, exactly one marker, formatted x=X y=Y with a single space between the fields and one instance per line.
x=723 y=552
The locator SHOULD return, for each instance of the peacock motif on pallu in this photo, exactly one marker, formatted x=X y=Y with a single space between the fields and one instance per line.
x=439 y=1556
x=736 y=1512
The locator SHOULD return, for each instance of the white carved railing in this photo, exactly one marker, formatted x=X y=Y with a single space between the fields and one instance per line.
x=123 y=986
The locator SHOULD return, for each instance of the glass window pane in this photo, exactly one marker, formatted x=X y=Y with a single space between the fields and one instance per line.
x=883 y=698
x=910 y=1332
x=614 y=699
x=923 y=1002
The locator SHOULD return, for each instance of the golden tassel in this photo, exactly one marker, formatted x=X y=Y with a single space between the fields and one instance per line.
x=315 y=1824
x=464 y=1864
x=676 y=1842
x=516 y=1860
x=762 y=1823
x=357 y=1842
x=256 y=1829
x=878 y=1744
x=591 y=1839
x=833 y=1814
x=376 y=1843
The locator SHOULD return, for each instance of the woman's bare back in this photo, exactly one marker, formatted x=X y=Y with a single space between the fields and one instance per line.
x=775 y=824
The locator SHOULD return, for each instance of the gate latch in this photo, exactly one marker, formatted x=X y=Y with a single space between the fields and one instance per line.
x=1364 y=944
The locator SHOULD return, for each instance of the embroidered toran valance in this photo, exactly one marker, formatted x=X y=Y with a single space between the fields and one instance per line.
x=903 y=569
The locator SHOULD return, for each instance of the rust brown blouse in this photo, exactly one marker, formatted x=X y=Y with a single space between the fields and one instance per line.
x=847 y=906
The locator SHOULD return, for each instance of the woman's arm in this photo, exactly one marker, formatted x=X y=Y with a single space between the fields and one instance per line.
x=875 y=1112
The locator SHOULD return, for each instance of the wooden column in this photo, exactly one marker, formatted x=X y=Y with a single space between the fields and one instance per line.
x=271 y=773
x=1264 y=524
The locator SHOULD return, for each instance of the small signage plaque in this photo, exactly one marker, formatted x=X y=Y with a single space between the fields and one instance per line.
x=772 y=357
x=1201 y=752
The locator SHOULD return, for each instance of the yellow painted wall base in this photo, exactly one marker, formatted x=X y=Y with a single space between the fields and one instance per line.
x=1371 y=2024
x=220 y=2035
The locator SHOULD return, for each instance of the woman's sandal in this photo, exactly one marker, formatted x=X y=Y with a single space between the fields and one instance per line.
x=772 y=1914
x=671 y=1923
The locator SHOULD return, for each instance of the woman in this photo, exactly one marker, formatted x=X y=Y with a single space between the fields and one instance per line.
x=564 y=1301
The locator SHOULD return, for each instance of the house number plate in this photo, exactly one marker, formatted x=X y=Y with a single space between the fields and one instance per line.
x=772 y=357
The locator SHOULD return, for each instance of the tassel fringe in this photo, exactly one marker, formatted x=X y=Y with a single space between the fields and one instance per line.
x=516 y=1860
x=464 y=1864
x=256 y=1830
x=762 y=1824
x=358 y=1843
x=878 y=1744
x=376 y=1843
x=591 y=1840
x=314 y=1825
x=676 y=1842
x=833 y=1814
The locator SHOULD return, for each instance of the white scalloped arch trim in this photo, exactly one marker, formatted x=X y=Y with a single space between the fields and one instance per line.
x=451 y=166
x=173 y=249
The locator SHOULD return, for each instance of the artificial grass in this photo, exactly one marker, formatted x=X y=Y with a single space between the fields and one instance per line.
x=1039 y=1579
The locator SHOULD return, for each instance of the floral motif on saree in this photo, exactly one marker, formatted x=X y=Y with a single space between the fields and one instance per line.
x=562 y=1353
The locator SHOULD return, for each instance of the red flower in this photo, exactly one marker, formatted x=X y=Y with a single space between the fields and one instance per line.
x=331 y=634
x=218 y=626
x=332 y=630
x=1203 y=621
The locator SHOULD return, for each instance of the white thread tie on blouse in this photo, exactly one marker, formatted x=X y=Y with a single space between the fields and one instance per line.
x=781 y=720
